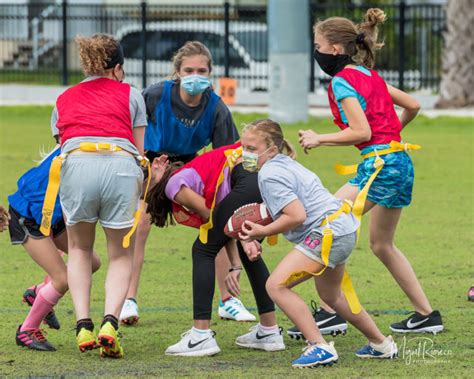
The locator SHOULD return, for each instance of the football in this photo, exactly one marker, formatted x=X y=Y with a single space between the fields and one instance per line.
x=254 y=212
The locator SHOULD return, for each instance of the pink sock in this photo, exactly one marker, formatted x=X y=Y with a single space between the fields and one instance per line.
x=46 y=280
x=45 y=300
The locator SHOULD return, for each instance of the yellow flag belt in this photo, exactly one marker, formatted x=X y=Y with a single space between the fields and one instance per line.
x=54 y=180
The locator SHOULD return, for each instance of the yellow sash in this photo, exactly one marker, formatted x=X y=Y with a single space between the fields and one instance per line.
x=346 y=285
x=359 y=202
x=54 y=180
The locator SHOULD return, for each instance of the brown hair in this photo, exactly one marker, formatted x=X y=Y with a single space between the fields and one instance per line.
x=358 y=40
x=190 y=49
x=95 y=52
x=271 y=131
x=159 y=206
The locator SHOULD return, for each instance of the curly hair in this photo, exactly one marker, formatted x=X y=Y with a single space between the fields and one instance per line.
x=358 y=40
x=95 y=52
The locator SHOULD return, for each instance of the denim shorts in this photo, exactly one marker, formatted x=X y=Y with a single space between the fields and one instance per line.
x=341 y=247
x=104 y=187
x=393 y=186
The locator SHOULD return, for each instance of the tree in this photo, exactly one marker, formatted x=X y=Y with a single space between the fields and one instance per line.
x=457 y=79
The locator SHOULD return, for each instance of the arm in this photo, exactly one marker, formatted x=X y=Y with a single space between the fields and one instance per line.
x=139 y=137
x=358 y=131
x=410 y=106
x=225 y=132
x=191 y=200
x=292 y=216
x=4 y=217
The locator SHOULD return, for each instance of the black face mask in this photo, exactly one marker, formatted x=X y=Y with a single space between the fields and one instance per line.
x=331 y=64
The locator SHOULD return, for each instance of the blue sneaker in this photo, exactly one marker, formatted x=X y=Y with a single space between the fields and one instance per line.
x=317 y=355
x=386 y=350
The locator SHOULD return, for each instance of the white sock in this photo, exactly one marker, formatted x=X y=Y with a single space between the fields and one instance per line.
x=200 y=332
x=269 y=329
x=381 y=346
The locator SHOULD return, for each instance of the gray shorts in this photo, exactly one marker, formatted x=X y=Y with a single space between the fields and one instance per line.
x=340 y=250
x=100 y=186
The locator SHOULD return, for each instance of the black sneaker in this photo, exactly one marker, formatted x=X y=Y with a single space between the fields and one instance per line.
x=50 y=319
x=470 y=294
x=417 y=323
x=328 y=323
x=33 y=339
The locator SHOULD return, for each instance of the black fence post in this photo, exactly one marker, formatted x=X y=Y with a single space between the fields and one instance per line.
x=143 y=42
x=65 y=75
x=226 y=39
x=401 y=44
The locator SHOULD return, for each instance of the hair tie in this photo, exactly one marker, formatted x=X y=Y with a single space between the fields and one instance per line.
x=360 y=38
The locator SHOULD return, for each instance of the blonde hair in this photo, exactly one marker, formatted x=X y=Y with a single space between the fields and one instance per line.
x=273 y=135
x=358 y=40
x=190 y=49
x=95 y=52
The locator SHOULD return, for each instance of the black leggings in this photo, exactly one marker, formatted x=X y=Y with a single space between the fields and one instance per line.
x=244 y=191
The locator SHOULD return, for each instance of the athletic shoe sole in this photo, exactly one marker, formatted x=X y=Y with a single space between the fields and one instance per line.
x=263 y=346
x=199 y=353
x=332 y=330
x=326 y=363
x=129 y=321
x=234 y=319
x=429 y=329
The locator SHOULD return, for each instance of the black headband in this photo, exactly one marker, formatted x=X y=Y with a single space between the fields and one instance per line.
x=116 y=58
x=360 y=38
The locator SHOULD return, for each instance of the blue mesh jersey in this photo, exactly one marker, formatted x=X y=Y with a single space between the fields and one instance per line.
x=169 y=134
x=28 y=199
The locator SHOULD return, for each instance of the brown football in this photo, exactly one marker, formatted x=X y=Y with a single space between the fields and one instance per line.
x=257 y=213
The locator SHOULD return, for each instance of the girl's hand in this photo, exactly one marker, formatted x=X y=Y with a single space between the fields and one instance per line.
x=253 y=249
x=158 y=167
x=232 y=282
x=251 y=231
x=308 y=139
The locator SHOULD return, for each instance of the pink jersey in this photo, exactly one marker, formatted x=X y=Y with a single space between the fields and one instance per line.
x=379 y=109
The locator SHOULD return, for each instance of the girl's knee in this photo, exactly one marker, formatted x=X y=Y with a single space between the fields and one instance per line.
x=380 y=248
x=274 y=286
x=60 y=282
x=95 y=262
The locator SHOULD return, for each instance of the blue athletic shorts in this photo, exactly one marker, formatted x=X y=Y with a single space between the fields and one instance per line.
x=394 y=184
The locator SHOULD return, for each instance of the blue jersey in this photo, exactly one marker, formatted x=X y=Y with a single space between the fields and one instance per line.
x=28 y=199
x=168 y=134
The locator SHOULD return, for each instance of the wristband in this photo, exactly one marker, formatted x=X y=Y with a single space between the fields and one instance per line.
x=235 y=269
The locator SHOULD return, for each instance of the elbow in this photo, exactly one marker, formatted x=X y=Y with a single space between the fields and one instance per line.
x=365 y=136
x=300 y=219
x=414 y=106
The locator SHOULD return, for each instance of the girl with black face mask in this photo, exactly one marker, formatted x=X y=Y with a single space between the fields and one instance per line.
x=363 y=108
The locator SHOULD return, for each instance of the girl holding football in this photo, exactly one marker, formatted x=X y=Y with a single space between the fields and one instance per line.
x=308 y=215
x=363 y=108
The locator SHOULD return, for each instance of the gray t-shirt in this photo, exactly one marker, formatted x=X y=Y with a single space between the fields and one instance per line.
x=224 y=133
x=283 y=180
x=137 y=115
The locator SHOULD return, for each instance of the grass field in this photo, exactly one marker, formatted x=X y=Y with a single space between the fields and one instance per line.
x=436 y=234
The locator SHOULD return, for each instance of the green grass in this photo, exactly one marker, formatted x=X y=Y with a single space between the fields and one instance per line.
x=436 y=234
x=40 y=77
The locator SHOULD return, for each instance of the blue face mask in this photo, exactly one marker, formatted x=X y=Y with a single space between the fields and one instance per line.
x=195 y=84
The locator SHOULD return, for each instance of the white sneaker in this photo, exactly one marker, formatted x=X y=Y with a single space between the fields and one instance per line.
x=194 y=344
x=262 y=340
x=233 y=309
x=129 y=313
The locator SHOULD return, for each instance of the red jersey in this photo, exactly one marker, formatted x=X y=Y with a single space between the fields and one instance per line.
x=95 y=108
x=209 y=167
x=379 y=111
